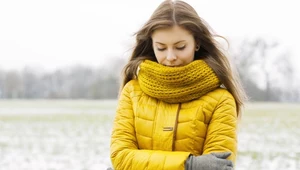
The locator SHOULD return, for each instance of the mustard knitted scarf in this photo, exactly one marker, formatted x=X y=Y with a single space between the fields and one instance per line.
x=177 y=84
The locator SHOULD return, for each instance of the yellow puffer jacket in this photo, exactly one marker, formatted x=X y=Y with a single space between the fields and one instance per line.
x=143 y=133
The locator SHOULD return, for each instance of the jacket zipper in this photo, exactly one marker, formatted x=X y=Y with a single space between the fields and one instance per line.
x=175 y=126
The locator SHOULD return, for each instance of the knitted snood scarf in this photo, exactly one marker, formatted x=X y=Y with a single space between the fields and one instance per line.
x=177 y=84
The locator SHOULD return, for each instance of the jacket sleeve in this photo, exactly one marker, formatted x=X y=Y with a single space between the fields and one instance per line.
x=222 y=130
x=124 y=151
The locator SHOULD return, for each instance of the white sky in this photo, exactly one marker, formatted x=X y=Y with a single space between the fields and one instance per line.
x=60 y=33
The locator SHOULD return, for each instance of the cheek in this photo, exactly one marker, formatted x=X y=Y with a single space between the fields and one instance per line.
x=187 y=55
x=159 y=56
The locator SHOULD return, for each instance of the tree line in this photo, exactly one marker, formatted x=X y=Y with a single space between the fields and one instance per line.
x=76 y=82
x=264 y=68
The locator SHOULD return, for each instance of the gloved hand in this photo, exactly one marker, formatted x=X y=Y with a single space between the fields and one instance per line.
x=213 y=161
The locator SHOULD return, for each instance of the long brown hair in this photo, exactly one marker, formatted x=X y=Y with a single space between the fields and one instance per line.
x=168 y=14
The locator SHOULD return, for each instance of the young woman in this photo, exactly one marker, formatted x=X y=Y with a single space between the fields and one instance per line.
x=180 y=101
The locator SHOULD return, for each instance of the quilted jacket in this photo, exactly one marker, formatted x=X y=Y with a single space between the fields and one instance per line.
x=149 y=134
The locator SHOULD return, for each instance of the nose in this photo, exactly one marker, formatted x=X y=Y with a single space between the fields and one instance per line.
x=171 y=55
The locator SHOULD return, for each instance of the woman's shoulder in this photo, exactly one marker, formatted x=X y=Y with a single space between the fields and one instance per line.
x=220 y=94
x=132 y=86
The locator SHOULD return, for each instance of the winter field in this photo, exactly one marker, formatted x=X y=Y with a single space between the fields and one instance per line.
x=75 y=134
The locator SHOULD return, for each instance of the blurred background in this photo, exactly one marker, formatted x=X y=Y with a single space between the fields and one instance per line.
x=60 y=65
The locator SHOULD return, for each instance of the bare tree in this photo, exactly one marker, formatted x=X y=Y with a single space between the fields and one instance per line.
x=264 y=67
x=13 y=86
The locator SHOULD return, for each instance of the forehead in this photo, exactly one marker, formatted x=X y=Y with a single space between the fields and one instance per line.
x=171 y=35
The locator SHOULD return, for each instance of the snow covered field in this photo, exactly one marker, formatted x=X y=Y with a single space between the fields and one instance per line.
x=75 y=134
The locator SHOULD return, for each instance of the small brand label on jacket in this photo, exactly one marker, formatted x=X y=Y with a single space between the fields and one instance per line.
x=168 y=129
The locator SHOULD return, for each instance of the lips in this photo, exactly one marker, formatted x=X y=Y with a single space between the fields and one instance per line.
x=171 y=65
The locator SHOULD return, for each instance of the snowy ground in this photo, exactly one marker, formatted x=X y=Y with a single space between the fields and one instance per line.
x=60 y=135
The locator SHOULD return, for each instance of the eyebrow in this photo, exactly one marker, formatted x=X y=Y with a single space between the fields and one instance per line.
x=165 y=44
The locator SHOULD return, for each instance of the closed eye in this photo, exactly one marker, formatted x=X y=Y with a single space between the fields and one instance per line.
x=180 y=48
x=161 y=49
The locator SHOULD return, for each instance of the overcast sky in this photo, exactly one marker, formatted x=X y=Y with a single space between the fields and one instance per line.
x=59 y=33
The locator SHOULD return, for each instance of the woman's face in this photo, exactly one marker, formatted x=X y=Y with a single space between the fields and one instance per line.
x=173 y=46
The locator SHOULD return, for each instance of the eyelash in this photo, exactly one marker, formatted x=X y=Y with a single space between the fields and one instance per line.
x=179 y=48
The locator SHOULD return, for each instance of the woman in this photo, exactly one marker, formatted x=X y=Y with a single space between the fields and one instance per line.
x=180 y=101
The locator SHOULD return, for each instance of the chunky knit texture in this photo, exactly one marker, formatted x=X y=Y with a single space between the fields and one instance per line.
x=177 y=84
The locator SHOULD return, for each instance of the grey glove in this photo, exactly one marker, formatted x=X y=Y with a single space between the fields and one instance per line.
x=213 y=161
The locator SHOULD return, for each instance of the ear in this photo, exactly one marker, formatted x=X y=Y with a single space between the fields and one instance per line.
x=197 y=48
